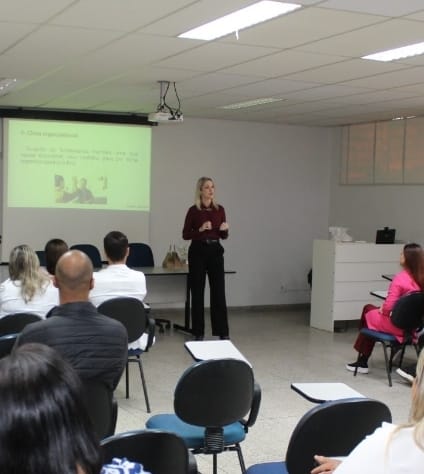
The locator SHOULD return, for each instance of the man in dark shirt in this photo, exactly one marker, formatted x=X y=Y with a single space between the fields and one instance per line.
x=95 y=345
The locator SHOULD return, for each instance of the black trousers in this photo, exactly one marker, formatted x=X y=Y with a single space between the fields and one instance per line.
x=207 y=259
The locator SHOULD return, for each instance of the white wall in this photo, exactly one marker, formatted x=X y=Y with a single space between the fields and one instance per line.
x=274 y=183
x=366 y=208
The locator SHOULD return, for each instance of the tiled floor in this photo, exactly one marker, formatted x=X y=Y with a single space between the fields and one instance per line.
x=282 y=349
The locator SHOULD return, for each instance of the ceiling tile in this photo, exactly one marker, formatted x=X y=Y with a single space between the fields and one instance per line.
x=370 y=39
x=390 y=79
x=213 y=56
x=30 y=11
x=342 y=71
x=388 y=8
x=284 y=62
x=122 y=15
x=325 y=92
x=10 y=33
x=73 y=42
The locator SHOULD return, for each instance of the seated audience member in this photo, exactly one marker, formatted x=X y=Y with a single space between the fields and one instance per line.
x=95 y=345
x=44 y=425
x=28 y=289
x=411 y=278
x=390 y=449
x=53 y=250
x=117 y=279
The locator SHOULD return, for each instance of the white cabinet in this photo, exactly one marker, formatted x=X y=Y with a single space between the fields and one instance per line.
x=343 y=274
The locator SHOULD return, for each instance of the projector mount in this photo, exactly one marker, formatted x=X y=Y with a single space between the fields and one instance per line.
x=164 y=112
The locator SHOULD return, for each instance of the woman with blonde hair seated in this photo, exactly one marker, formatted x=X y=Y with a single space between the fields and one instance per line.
x=390 y=449
x=28 y=289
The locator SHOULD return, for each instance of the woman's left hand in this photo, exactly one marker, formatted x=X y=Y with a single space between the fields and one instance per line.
x=223 y=226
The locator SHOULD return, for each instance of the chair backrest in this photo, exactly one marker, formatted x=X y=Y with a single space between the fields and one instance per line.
x=41 y=257
x=214 y=393
x=92 y=251
x=6 y=344
x=14 y=323
x=101 y=407
x=140 y=255
x=129 y=311
x=160 y=452
x=333 y=429
x=408 y=311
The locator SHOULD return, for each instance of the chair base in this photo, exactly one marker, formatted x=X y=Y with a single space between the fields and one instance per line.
x=389 y=342
x=162 y=324
x=194 y=435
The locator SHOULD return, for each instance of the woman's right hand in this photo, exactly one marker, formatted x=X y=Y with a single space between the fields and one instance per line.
x=207 y=225
x=326 y=465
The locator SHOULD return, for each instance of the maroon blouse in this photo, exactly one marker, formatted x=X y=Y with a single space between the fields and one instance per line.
x=196 y=217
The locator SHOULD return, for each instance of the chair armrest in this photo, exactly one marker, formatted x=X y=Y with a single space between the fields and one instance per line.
x=150 y=329
x=254 y=410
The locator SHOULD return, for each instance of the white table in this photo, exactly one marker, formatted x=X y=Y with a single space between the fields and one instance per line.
x=205 y=350
x=321 y=392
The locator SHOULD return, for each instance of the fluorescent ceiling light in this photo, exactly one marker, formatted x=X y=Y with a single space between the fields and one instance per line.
x=404 y=118
x=236 y=21
x=6 y=85
x=250 y=103
x=397 y=53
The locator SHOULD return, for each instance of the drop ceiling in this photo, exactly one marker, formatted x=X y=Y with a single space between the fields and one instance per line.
x=107 y=55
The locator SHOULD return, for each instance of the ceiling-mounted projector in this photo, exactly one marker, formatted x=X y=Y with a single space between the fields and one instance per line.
x=165 y=117
x=164 y=112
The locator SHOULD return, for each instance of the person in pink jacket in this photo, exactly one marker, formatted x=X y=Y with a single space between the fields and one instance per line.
x=411 y=278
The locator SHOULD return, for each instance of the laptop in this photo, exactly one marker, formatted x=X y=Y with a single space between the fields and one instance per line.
x=385 y=236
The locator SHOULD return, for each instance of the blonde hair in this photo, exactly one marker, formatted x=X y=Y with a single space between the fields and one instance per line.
x=197 y=195
x=24 y=267
x=417 y=406
x=416 y=417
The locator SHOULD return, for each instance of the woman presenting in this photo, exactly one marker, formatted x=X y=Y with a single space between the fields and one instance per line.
x=205 y=224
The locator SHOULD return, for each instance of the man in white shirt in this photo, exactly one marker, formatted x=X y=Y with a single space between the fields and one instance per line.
x=117 y=279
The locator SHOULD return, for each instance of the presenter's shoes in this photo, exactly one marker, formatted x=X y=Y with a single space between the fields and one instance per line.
x=362 y=367
x=224 y=338
x=406 y=375
x=199 y=337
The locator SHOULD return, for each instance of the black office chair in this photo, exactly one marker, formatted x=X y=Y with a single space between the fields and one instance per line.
x=159 y=452
x=331 y=429
x=131 y=313
x=101 y=407
x=6 y=344
x=14 y=323
x=141 y=255
x=210 y=401
x=92 y=251
x=41 y=257
x=407 y=314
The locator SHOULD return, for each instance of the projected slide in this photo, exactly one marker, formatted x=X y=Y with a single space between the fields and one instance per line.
x=77 y=165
